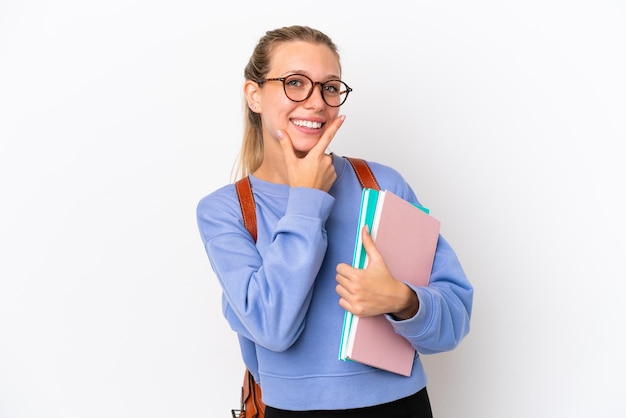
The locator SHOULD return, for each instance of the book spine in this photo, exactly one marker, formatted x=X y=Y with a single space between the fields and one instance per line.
x=369 y=199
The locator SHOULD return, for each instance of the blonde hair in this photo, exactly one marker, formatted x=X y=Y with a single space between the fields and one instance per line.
x=251 y=153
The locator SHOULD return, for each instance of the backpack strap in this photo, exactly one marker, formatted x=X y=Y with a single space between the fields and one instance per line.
x=248 y=207
x=364 y=173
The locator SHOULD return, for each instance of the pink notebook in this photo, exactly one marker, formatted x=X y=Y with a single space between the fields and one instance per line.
x=406 y=237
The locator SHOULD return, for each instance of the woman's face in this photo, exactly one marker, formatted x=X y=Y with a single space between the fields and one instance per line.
x=304 y=121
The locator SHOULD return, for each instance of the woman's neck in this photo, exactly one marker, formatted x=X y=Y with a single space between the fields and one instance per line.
x=272 y=170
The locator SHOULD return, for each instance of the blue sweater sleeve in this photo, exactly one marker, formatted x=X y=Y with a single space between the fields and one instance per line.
x=266 y=296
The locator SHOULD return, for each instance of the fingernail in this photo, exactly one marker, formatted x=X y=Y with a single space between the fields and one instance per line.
x=279 y=133
x=342 y=117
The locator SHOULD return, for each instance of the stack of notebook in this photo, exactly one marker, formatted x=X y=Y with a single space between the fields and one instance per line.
x=406 y=235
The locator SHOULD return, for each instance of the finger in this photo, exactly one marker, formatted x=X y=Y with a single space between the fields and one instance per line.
x=329 y=134
x=342 y=269
x=341 y=291
x=344 y=279
x=286 y=144
x=345 y=305
x=368 y=244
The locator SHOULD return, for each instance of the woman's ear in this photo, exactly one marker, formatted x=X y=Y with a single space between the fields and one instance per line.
x=252 y=92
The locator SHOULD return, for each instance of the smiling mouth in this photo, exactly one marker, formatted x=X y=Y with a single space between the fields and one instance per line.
x=307 y=124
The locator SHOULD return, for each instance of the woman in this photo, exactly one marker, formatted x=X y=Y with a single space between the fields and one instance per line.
x=285 y=295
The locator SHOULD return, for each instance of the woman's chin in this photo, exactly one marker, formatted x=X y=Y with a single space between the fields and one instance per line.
x=301 y=153
x=302 y=148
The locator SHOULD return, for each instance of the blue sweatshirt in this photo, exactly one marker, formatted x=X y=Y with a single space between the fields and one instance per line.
x=279 y=295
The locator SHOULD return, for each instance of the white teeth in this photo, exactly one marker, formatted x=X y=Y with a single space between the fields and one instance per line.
x=308 y=124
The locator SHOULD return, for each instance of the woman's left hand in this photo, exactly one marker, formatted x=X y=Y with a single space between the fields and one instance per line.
x=373 y=290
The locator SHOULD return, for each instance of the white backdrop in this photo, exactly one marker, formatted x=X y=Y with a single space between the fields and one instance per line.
x=508 y=118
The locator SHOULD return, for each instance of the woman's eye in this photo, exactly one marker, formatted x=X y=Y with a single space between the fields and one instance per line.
x=332 y=88
x=294 y=82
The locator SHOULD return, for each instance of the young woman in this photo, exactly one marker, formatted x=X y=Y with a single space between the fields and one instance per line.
x=285 y=294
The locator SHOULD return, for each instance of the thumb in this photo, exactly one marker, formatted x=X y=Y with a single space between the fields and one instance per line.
x=368 y=243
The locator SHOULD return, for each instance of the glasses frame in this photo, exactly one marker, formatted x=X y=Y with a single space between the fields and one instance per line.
x=313 y=84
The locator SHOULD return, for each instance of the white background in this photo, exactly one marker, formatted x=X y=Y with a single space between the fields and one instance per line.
x=116 y=117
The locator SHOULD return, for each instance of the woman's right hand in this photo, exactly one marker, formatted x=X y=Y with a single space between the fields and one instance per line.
x=315 y=169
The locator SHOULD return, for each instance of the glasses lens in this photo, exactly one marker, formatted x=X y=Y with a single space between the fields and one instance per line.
x=335 y=92
x=298 y=87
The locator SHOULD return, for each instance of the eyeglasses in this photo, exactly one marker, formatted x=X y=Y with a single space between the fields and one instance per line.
x=299 y=87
